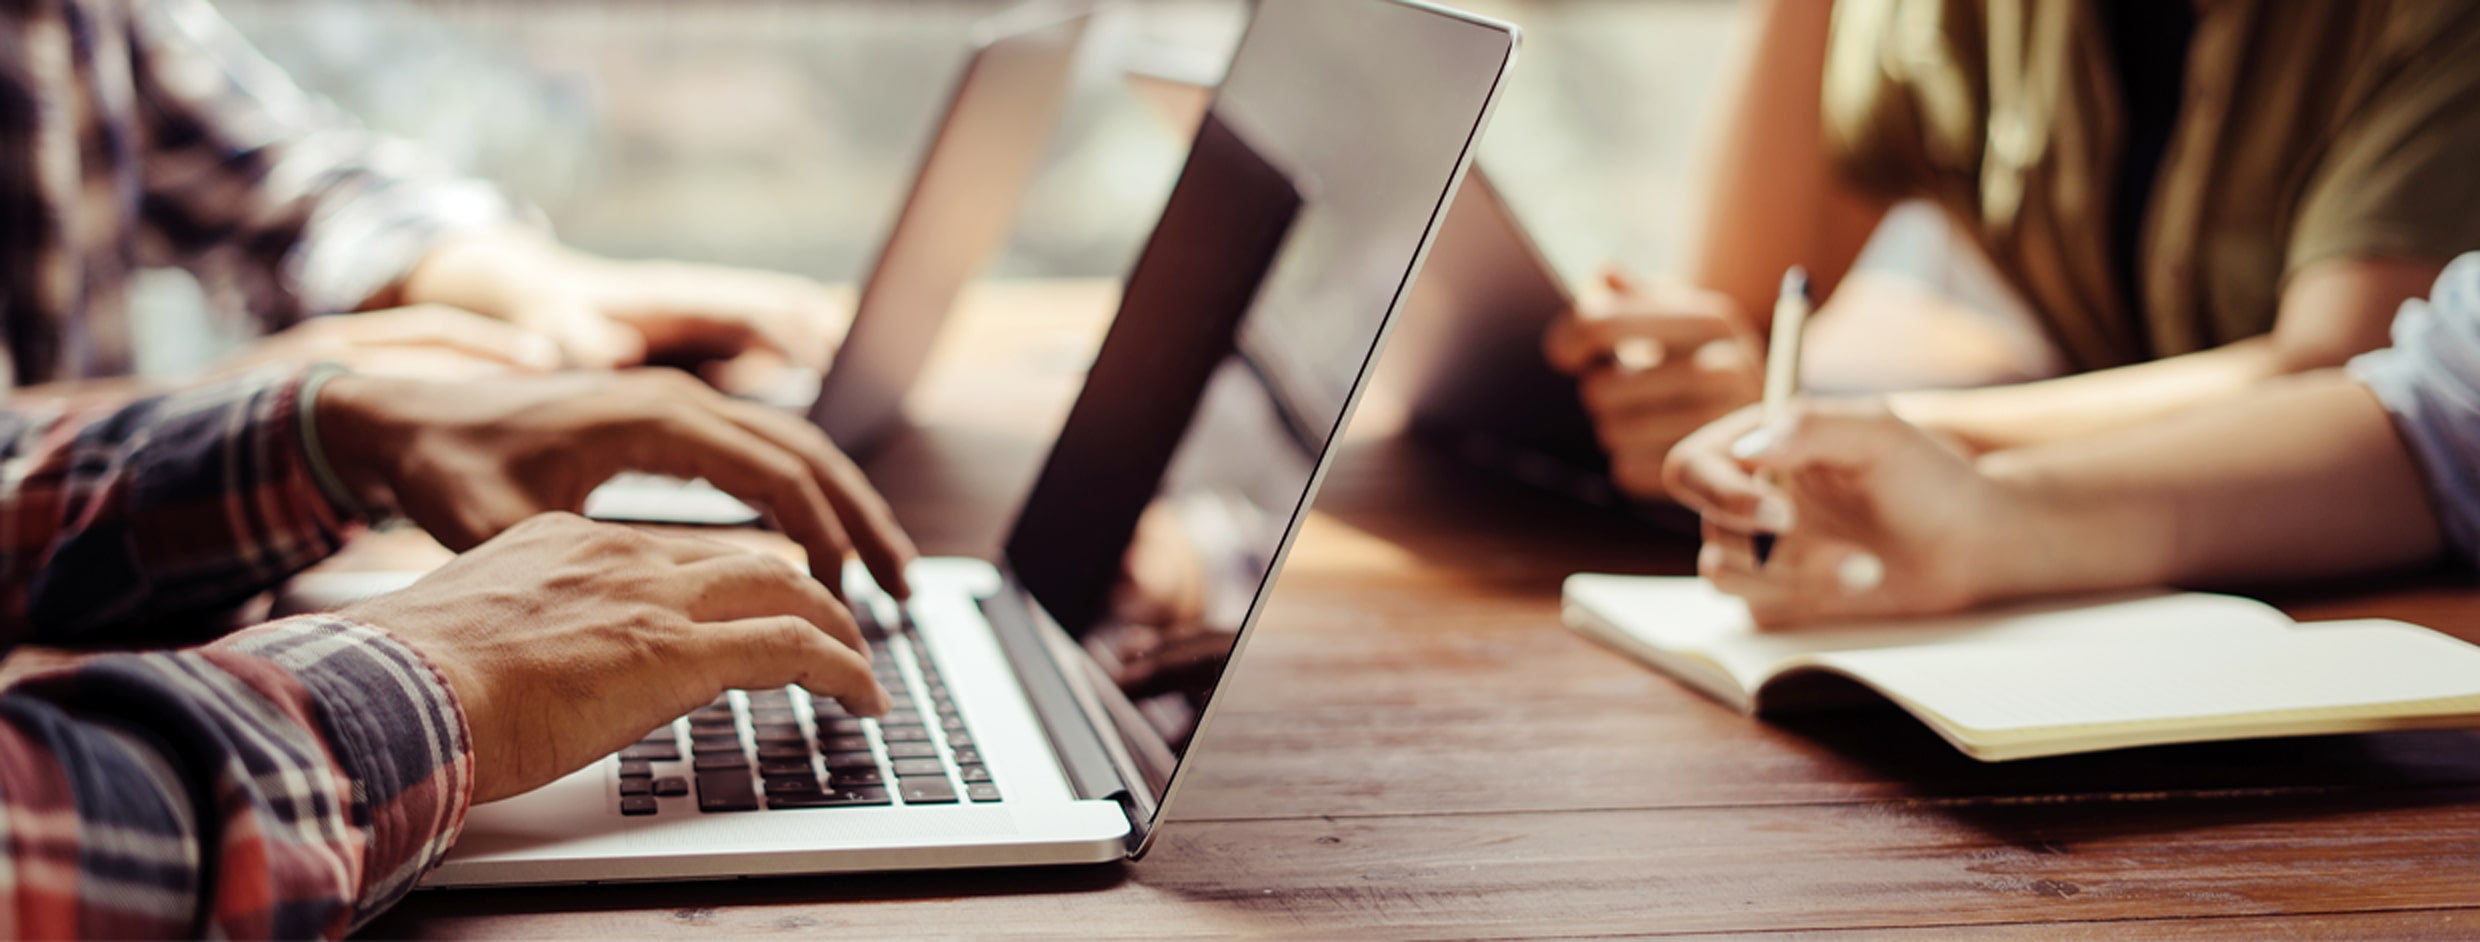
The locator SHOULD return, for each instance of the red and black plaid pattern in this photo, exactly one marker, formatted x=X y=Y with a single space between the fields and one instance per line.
x=147 y=132
x=290 y=780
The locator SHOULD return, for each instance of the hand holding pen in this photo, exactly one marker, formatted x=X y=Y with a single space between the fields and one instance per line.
x=1860 y=571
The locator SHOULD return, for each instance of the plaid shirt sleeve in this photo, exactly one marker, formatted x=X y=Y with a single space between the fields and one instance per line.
x=259 y=188
x=290 y=780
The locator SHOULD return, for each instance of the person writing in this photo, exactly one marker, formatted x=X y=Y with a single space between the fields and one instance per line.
x=2194 y=199
x=295 y=778
x=2335 y=472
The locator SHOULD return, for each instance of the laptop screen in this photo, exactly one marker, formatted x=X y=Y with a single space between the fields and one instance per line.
x=1188 y=460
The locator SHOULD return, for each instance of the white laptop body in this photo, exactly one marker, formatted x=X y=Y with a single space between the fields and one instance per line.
x=1306 y=208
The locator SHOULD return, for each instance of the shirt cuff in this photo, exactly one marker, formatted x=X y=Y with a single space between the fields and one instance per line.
x=356 y=250
x=2429 y=383
x=395 y=727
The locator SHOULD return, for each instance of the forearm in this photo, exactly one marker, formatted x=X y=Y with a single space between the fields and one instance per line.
x=257 y=186
x=2331 y=311
x=162 y=507
x=288 y=782
x=2002 y=417
x=2305 y=478
x=1772 y=198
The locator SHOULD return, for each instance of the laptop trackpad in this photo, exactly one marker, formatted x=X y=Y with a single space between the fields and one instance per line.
x=647 y=498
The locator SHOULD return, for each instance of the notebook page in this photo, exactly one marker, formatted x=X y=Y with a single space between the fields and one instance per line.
x=2112 y=677
x=1683 y=613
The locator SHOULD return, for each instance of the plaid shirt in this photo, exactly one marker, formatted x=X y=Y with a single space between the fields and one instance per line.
x=288 y=780
x=140 y=133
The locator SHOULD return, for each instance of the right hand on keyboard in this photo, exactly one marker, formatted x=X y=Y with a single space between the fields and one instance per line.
x=566 y=639
x=468 y=460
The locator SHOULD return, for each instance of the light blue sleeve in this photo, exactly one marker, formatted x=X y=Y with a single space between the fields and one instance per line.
x=2429 y=380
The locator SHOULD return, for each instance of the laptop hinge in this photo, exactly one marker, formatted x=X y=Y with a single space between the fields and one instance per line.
x=1078 y=731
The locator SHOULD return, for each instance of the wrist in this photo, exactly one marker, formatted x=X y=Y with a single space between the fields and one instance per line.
x=346 y=431
x=488 y=273
x=2050 y=538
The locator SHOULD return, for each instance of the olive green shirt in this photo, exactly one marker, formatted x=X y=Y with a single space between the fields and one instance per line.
x=2310 y=130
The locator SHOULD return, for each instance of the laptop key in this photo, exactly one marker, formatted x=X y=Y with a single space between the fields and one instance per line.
x=790 y=786
x=895 y=734
x=636 y=786
x=927 y=791
x=726 y=791
x=776 y=768
x=982 y=791
x=671 y=786
x=847 y=778
x=723 y=747
x=775 y=750
x=912 y=767
x=636 y=805
x=851 y=760
x=911 y=750
x=636 y=768
x=968 y=756
x=973 y=773
x=959 y=738
x=734 y=761
x=844 y=798
x=843 y=743
x=840 y=726
x=665 y=752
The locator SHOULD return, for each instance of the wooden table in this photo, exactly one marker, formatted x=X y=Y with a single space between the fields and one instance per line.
x=1414 y=747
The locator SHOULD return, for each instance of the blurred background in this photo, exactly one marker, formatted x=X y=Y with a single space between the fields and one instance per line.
x=782 y=133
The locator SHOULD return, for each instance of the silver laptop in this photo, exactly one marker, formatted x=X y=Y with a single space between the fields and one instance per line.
x=982 y=158
x=1041 y=718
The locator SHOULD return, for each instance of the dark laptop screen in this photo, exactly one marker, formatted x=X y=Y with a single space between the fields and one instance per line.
x=1189 y=458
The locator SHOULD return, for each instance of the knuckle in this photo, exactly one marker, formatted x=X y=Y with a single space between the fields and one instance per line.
x=1637 y=475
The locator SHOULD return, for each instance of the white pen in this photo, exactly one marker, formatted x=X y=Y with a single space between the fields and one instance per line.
x=1782 y=368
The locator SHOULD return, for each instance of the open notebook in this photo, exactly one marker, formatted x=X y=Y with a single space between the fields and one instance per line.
x=2055 y=678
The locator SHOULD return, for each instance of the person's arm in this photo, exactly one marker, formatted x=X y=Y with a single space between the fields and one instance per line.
x=2330 y=312
x=295 y=779
x=2320 y=474
x=289 y=781
x=1771 y=195
x=137 y=513
x=2306 y=478
x=252 y=183
x=257 y=186
x=1655 y=360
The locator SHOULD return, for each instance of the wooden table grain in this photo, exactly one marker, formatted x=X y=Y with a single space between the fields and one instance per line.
x=1414 y=747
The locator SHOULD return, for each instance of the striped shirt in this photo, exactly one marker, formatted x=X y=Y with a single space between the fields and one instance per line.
x=138 y=133
x=288 y=780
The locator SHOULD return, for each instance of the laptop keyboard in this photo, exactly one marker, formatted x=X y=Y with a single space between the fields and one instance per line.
x=782 y=749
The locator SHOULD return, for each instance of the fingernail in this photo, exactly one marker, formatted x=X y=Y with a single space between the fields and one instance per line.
x=1773 y=515
x=884 y=702
x=1636 y=354
x=1757 y=442
x=1860 y=572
